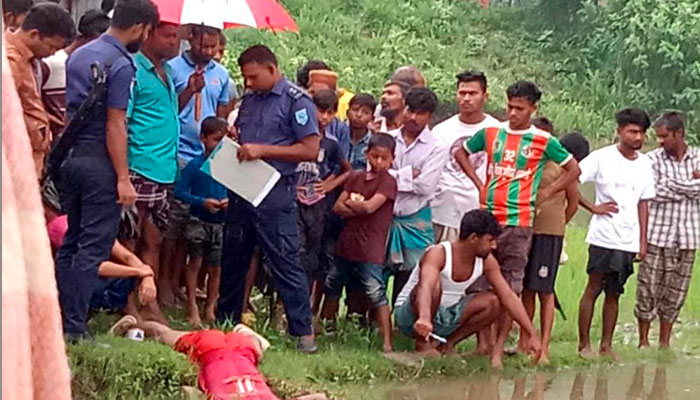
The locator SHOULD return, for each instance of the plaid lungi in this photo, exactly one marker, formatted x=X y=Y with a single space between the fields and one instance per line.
x=662 y=282
x=409 y=236
x=151 y=200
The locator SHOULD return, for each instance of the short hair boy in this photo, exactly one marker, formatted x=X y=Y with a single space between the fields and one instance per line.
x=366 y=203
x=551 y=216
x=360 y=114
x=316 y=180
x=208 y=202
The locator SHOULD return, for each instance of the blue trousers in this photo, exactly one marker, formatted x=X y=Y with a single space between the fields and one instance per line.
x=272 y=226
x=112 y=294
x=87 y=188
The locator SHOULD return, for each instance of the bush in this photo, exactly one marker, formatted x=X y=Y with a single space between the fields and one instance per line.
x=630 y=52
x=117 y=368
x=590 y=60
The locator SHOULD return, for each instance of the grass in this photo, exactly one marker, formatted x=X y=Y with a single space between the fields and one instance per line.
x=365 y=40
x=349 y=364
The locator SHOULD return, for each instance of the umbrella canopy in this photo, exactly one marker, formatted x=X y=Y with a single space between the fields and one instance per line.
x=260 y=14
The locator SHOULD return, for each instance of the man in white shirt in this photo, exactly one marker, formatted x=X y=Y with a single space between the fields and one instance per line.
x=624 y=182
x=417 y=165
x=456 y=193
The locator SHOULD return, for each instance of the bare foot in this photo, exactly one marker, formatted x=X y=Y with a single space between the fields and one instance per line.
x=643 y=345
x=448 y=349
x=497 y=362
x=664 y=345
x=210 y=314
x=543 y=361
x=192 y=317
x=609 y=353
x=387 y=348
x=430 y=353
x=152 y=312
x=166 y=297
x=587 y=354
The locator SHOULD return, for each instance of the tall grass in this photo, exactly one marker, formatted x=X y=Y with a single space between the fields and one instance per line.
x=365 y=40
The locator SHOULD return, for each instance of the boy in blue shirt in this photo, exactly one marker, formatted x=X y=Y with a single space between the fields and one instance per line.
x=317 y=182
x=208 y=201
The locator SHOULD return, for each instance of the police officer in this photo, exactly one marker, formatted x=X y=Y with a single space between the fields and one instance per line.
x=94 y=179
x=277 y=123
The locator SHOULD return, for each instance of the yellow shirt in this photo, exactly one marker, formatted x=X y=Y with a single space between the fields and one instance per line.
x=344 y=103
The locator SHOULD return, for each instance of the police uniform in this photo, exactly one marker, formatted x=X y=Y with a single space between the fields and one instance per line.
x=87 y=181
x=281 y=117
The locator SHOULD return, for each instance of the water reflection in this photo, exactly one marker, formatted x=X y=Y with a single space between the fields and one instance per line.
x=603 y=383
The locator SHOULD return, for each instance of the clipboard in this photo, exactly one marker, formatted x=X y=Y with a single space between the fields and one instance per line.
x=251 y=180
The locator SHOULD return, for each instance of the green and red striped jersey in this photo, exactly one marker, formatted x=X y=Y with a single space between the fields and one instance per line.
x=515 y=162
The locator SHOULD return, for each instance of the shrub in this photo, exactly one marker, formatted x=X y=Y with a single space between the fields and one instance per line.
x=117 y=368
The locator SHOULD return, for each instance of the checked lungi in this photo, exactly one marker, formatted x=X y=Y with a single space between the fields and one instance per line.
x=662 y=282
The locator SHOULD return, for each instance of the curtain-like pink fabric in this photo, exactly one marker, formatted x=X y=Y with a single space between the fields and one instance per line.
x=34 y=364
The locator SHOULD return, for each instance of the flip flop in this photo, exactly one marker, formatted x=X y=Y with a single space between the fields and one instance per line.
x=124 y=324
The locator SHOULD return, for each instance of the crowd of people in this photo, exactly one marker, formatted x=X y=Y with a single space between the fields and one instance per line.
x=465 y=219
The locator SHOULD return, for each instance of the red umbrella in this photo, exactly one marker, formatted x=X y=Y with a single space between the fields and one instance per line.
x=260 y=14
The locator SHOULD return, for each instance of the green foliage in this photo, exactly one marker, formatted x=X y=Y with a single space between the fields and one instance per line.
x=117 y=368
x=630 y=52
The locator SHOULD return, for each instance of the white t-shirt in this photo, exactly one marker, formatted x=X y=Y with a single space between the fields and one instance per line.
x=625 y=182
x=456 y=193
x=57 y=71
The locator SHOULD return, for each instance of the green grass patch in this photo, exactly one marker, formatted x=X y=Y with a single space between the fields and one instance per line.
x=349 y=364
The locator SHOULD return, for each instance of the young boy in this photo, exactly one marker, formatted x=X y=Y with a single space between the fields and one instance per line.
x=228 y=362
x=367 y=204
x=208 y=202
x=360 y=114
x=551 y=216
x=624 y=183
x=315 y=181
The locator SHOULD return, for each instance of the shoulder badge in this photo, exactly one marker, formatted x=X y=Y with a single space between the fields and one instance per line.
x=302 y=116
x=295 y=91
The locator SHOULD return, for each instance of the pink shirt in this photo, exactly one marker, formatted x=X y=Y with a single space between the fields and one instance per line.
x=57 y=230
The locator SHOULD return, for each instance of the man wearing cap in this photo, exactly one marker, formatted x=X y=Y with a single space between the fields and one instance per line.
x=276 y=123
x=320 y=79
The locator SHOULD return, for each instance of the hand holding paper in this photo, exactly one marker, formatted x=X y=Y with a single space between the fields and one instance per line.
x=251 y=180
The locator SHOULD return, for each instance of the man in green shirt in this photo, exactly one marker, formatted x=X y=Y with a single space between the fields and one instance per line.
x=153 y=140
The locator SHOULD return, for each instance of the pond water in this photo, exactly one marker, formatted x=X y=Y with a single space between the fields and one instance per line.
x=653 y=381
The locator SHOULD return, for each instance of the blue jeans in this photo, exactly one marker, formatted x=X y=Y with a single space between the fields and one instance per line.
x=272 y=226
x=88 y=190
x=371 y=279
x=112 y=293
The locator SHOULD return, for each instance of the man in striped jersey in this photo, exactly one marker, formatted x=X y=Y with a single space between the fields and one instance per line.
x=517 y=153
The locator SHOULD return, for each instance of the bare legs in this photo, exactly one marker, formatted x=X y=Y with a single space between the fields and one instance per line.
x=481 y=311
x=610 y=312
x=213 y=283
x=191 y=274
x=546 y=321
x=585 y=314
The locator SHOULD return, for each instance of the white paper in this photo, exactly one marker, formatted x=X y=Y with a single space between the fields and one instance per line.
x=252 y=180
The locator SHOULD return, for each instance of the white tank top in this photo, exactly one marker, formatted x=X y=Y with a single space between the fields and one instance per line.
x=452 y=291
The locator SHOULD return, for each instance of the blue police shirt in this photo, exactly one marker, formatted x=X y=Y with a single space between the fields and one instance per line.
x=340 y=132
x=214 y=94
x=280 y=117
x=108 y=52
